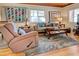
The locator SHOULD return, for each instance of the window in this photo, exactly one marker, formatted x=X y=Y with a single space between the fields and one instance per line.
x=71 y=14
x=37 y=16
x=74 y=15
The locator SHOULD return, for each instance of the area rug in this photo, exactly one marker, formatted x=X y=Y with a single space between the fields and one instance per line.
x=54 y=43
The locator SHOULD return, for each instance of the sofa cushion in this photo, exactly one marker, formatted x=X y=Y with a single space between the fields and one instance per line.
x=21 y=31
x=27 y=30
x=26 y=36
x=11 y=29
x=24 y=42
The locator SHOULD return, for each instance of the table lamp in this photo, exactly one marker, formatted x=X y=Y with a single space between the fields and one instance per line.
x=59 y=19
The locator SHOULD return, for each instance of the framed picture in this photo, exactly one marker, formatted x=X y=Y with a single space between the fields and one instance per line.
x=17 y=14
x=53 y=15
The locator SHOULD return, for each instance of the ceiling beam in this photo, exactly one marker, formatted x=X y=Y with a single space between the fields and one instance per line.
x=50 y=4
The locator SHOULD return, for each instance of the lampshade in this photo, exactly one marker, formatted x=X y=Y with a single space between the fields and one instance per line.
x=59 y=18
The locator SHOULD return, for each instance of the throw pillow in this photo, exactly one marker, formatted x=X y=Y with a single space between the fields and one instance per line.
x=21 y=31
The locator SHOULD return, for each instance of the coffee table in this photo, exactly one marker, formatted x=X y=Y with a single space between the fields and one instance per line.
x=52 y=31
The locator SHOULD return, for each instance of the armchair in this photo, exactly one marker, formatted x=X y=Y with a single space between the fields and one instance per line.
x=16 y=42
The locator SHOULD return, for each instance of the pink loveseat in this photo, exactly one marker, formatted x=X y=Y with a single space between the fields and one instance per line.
x=16 y=42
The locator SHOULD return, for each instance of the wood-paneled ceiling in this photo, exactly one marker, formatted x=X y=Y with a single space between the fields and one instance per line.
x=50 y=4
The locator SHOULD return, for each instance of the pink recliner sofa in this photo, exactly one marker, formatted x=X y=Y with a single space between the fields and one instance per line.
x=16 y=42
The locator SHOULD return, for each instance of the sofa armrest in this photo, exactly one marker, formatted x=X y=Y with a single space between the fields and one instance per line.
x=24 y=42
x=27 y=36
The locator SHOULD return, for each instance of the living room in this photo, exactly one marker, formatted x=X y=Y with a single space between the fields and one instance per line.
x=39 y=29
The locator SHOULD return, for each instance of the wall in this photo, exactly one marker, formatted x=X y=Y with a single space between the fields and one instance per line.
x=64 y=11
x=65 y=14
x=29 y=7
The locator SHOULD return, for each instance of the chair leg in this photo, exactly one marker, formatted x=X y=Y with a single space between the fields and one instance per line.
x=49 y=36
x=66 y=34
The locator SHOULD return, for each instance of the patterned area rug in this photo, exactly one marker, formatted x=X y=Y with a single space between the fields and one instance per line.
x=45 y=44
x=55 y=42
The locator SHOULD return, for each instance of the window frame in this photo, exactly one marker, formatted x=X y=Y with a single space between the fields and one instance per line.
x=37 y=15
x=73 y=16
